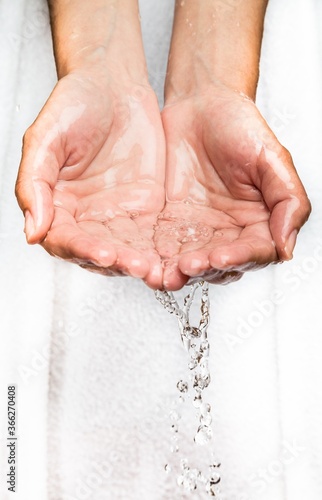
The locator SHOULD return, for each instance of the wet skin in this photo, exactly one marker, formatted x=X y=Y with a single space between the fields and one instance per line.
x=93 y=176
x=234 y=200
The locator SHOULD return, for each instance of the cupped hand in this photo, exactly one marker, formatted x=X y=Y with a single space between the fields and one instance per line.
x=91 y=179
x=234 y=201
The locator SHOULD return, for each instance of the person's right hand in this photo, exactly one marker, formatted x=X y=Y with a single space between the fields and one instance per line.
x=91 y=179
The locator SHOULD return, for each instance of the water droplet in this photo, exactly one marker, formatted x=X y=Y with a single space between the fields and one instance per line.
x=215 y=465
x=190 y=477
x=184 y=463
x=110 y=214
x=182 y=386
x=204 y=347
x=204 y=435
x=215 y=478
x=134 y=214
x=197 y=355
x=192 y=364
x=201 y=381
x=211 y=489
x=191 y=332
x=180 y=480
x=167 y=216
x=167 y=468
x=203 y=365
x=204 y=409
x=202 y=478
x=174 y=415
x=206 y=419
x=197 y=401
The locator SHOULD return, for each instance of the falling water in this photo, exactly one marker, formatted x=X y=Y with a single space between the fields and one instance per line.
x=195 y=341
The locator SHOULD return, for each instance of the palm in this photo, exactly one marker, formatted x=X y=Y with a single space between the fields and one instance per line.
x=215 y=223
x=109 y=187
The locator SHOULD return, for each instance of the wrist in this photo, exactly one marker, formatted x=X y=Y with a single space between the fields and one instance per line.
x=212 y=46
x=100 y=35
x=199 y=78
x=104 y=66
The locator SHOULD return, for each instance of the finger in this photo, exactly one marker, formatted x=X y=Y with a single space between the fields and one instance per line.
x=216 y=277
x=137 y=232
x=166 y=239
x=224 y=278
x=252 y=250
x=194 y=256
x=105 y=271
x=135 y=237
x=168 y=246
x=146 y=224
x=194 y=263
x=69 y=242
x=154 y=277
x=173 y=278
x=132 y=262
x=124 y=229
x=129 y=261
x=36 y=179
x=285 y=197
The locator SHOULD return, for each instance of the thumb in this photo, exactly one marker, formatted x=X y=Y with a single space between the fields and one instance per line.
x=37 y=176
x=285 y=197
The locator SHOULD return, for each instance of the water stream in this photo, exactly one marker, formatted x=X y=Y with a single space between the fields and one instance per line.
x=191 y=390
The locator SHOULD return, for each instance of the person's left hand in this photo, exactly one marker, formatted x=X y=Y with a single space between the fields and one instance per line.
x=234 y=200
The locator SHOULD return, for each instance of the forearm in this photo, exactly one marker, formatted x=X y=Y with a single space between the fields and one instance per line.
x=102 y=34
x=215 y=42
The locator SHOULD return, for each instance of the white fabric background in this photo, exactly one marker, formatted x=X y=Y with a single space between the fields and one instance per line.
x=96 y=359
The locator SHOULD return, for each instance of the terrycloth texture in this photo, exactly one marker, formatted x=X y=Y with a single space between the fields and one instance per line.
x=96 y=359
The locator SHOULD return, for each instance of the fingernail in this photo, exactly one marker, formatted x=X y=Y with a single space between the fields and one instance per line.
x=103 y=253
x=106 y=257
x=138 y=268
x=290 y=244
x=196 y=264
x=224 y=259
x=29 y=224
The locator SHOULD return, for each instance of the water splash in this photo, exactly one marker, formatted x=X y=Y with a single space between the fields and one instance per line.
x=195 y=341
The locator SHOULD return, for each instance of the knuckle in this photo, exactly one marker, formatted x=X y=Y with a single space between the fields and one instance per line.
x=28 y=136
x=307 y=207
x=286 y=155
x=19 y=189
